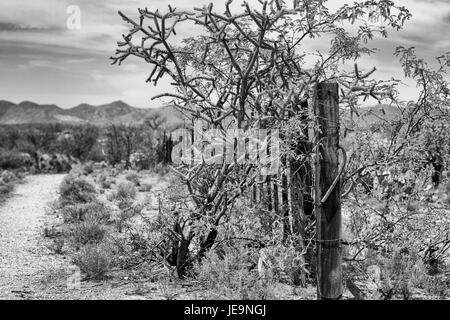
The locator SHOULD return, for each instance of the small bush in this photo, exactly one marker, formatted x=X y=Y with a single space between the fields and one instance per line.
x=75 y=190
x=94 y=260
x=438 y=285
x=127 y=211
x=96 y=154
x=104 y=181
x=8 y=176
x=7 y=181
x=20 y=175
x=95 y=212
x=10 y=160
x=114 y=172
x=235 y=276
x=86 y=232
x=5 y=190
x=393 y=272
x=133 y=176
x=88 y=168
x=124 y=193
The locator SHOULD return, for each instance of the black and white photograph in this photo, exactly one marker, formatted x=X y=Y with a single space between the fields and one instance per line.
x=226 y=150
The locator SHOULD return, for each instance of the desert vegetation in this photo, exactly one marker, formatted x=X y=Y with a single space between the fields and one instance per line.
x=248 y=71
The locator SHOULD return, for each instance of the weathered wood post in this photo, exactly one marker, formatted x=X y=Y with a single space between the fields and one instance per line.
x=327 y=191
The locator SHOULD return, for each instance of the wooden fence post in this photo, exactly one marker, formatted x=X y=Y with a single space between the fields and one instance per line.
x=327 y=191
x=285 y=202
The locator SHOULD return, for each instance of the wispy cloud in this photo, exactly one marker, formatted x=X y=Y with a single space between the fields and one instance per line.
x=17 y=27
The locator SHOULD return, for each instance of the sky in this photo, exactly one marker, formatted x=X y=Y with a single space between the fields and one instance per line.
x=49 y=56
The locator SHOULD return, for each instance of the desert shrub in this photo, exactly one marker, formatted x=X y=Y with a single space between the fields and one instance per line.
x=85 y=232
x=124 y=194
x=78 y=141
x=10 y=160
x=161 y=169
x=285 y=262
x=20 y=175
x=396 y=272
x=133 y=176
x=86 y=222
x=438 y=285
x=283 y=257
x=7 y=181
x=101 y=179
x=8 y=176
x=126 y=212
x=94 y=260
x=96 y=154
x=233 y=275
x=5 y=189
x=88 y=168
x=75 y=190
x=399 y=231
x=114 y=172
x=104 y=181
x=95 y=212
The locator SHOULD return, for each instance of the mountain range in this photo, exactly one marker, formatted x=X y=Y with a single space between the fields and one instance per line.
x=28 y=112
x=115 y=112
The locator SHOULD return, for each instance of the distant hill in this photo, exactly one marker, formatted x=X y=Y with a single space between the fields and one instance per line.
x=369 y=116
x=28 y=112
x=116 y=112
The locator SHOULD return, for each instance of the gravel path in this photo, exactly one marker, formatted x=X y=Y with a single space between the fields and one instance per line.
x=25 y=258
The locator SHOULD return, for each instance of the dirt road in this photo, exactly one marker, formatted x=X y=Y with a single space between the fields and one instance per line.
x=25 y=259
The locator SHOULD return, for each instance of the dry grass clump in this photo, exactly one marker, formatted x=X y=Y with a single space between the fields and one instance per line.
x=94 y=260
x=124 y=194
x=88 y=168
x=5 y=189
x=104 y=181
x=233 y=275
x=75 y=190
x=133 y=177
x=95 y=212
x=86 y=232
x=85 y=222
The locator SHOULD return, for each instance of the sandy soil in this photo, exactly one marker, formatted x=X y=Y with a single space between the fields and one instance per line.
x=24 y=256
